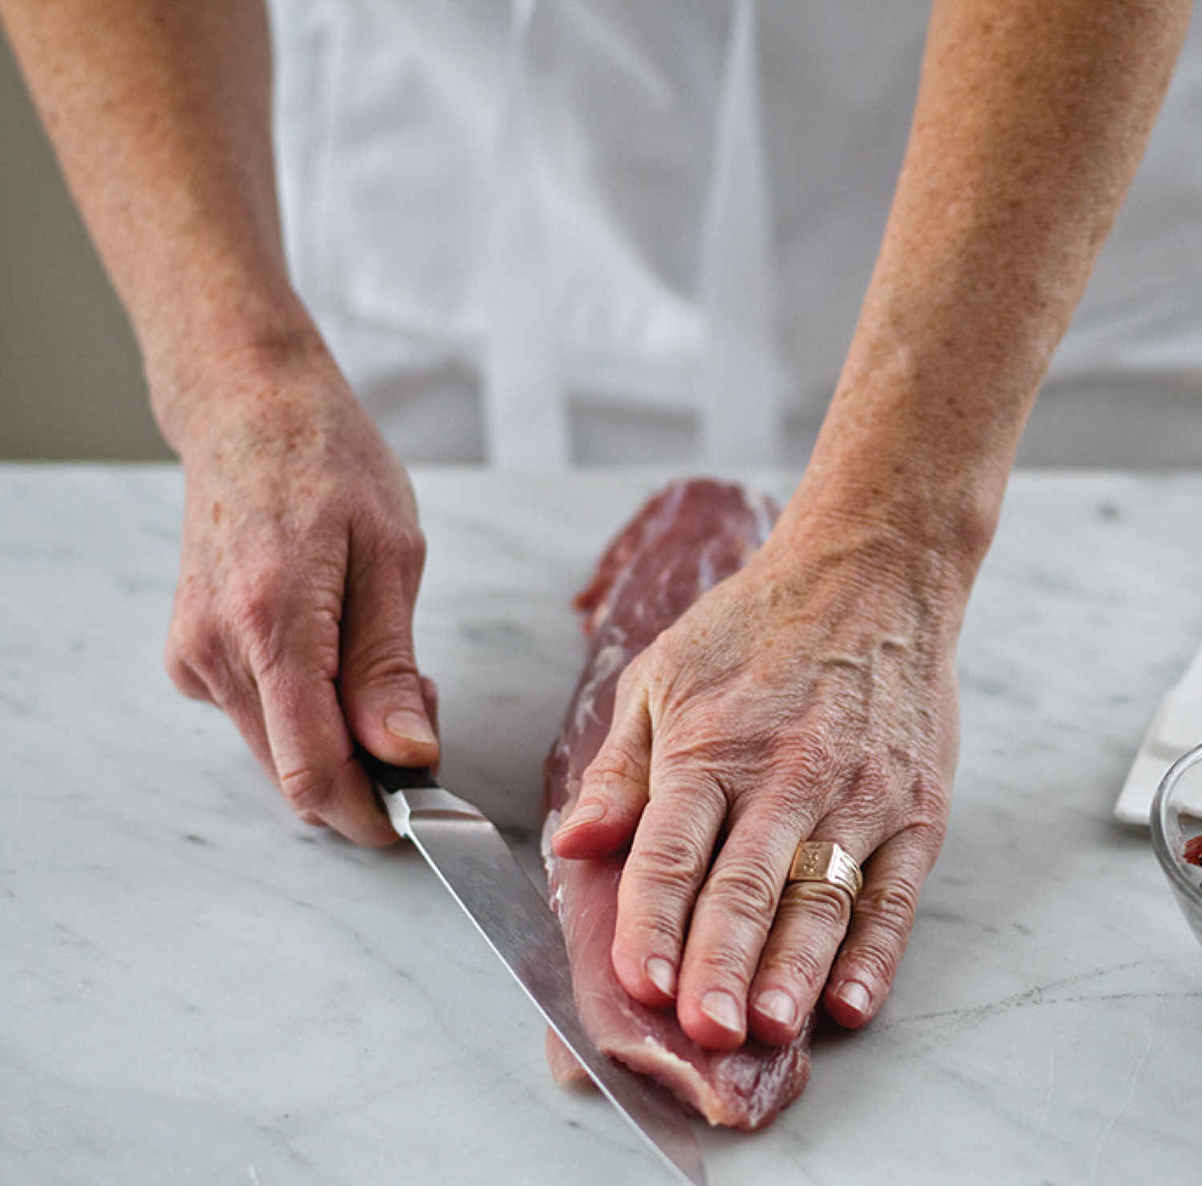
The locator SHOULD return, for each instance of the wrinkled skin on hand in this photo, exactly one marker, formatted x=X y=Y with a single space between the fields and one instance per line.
x=300 y=564
x=812 y=694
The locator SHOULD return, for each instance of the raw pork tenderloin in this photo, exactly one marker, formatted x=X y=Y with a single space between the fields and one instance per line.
x=683 y=541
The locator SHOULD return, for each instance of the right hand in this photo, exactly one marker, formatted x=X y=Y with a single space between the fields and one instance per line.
x=300 y=565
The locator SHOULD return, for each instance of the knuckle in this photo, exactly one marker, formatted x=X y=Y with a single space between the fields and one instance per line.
x=872 y=781
x=613 y=770
x=659 y=652
x=256 y=616
x=785 y=808
x=185 y=679
x=812 y=759
x=799 y=965
x=411 y=543
x=385 y=660
x=306 y=789
x=194 y=642
x=194 y=658
x=401 y=550
x=872 y=957
x=861 y=810
x=178 y=667
x=638 y=668
x=922 y=836
x=673 y=860
x=656 y=928
x=890 y=908
x=705 y=785
x=748 y=889
x=928 y=809
x=821 y=903
x=723 y=964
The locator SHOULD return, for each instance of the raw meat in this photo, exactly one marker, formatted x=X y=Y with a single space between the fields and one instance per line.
x=1193 y=851
x=687 y=538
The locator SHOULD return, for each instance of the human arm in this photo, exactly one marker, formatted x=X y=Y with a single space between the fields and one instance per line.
x=301 y=549
x=813 y=694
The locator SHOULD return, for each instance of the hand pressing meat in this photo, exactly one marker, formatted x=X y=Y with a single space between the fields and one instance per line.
x=685 y=539
x=810 y=693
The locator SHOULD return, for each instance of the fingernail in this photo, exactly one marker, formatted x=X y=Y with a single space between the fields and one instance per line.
x=722 y=1008
x=407 y=724
x=588 y=812
x=661 y=973
x=854 y=995
x=778 y=1005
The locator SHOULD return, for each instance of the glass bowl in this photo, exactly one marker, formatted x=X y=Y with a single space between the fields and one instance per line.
x=1177 y=818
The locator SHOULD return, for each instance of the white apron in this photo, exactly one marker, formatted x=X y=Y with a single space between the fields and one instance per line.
x=546 y=232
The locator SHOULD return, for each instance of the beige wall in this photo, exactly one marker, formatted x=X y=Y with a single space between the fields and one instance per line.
x=70 y=381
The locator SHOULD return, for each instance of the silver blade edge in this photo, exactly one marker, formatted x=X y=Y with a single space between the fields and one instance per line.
x=472 y=860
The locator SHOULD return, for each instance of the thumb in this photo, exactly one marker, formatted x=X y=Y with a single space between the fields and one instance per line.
x=613 y=788
x=383 y=695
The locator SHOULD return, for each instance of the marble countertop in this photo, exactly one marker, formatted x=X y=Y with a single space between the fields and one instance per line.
x=195 y=989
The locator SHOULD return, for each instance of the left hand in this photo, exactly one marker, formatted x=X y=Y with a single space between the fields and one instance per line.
x=810 y=695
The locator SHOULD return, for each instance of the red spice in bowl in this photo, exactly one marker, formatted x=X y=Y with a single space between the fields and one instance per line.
x=1193 y=851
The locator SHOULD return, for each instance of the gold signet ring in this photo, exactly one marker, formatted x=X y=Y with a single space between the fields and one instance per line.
x=823 y=860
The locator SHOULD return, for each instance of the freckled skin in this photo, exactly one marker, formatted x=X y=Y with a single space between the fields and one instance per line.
x=1030 y=121
x=301 y=552
x=824 y=704
x=292 y=610
x=813 y=693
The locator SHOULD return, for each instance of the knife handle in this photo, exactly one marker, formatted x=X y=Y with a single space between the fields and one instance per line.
x=401 y=790
x=395 y=778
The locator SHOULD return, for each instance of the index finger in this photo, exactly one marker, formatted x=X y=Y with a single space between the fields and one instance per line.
x=666 y=867
x=314 y=757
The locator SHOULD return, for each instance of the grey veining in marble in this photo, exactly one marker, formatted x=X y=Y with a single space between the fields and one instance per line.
x=195 y=989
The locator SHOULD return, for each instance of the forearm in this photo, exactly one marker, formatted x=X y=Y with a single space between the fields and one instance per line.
x=1030 y=122
x=160 y=114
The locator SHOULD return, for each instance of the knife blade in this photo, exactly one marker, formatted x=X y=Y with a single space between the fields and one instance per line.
x=471 y=859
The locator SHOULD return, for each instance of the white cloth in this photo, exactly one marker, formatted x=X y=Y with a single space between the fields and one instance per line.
x=587 y=230
x=1176 y=727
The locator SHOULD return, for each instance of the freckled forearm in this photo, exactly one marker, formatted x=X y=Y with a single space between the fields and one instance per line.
x=160 y=114
x=1030 y=122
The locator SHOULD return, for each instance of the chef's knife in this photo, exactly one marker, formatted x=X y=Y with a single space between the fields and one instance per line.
x=473 y=862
